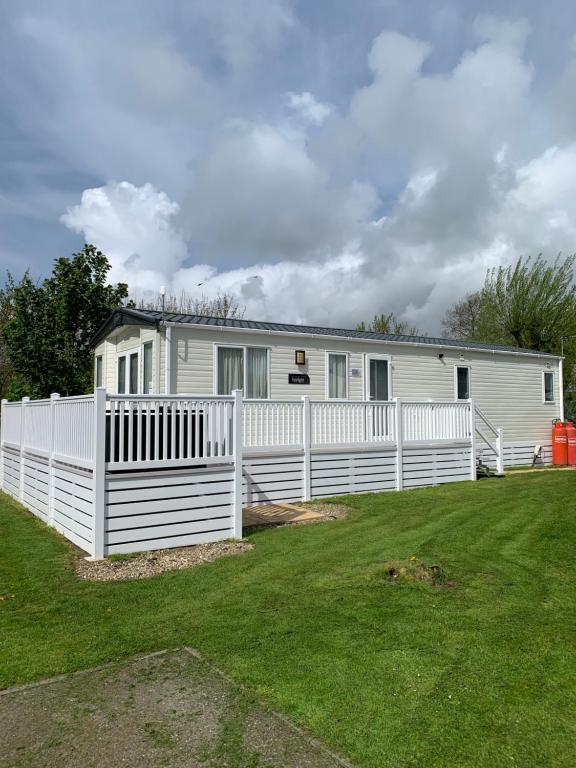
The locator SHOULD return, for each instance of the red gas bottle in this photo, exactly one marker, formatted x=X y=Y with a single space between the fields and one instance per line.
x=559 y=444
x=571 y=443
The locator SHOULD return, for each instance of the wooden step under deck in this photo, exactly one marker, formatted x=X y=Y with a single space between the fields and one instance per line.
x=279 y=513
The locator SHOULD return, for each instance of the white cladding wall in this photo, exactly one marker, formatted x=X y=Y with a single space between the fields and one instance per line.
x=507 y=387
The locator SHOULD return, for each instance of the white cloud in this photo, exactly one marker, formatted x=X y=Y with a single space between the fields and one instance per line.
x=258 y=194
x=310 y=109
x=134 y=227
x=289 y=213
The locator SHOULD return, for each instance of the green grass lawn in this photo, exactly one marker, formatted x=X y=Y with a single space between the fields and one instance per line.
x=479 y=673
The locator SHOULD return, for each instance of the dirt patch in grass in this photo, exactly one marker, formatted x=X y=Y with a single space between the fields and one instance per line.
x=143 y=564
x=414 y=570
x=169 y=710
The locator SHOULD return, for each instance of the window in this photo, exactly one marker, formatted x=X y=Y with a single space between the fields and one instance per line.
x=337 y=375
x=462 y=382
x=133 y=388
x=122 y=375
x=257 y=373
x=244 y=368
x=128 y=373
x=98 y=376
x=548 y=386
x=377 y=377
x=147 y=384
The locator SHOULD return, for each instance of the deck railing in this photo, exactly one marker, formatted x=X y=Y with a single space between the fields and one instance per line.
x=425 y=421
x=59 y=456
x=143 y=430
x=147 y=430
x=277 y=423
x=352 y=422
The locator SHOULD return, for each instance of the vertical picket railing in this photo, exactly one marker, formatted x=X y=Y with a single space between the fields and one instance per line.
x=428 y=421
x=272 y=424
x=11 y=423
x=74 y=429
x=351 y=422
x=167 y=429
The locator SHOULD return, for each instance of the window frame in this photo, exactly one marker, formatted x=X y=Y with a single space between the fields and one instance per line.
x=128 y=354
x=244 y=348
x=327 y=375
x=469 y=369
x=544 y=400
x=151 y=345
x=98 y=364
x=375 y=356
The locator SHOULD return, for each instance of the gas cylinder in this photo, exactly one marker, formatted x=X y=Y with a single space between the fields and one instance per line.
x=571 y=443
x=559 y=444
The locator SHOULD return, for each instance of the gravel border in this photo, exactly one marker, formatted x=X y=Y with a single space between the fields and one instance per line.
x=144 y=564
x=328 y=511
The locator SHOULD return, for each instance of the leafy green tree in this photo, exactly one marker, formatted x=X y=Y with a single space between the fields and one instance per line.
x=6 y=371
x=388 y=324
x=530 y=304
x=51 y=324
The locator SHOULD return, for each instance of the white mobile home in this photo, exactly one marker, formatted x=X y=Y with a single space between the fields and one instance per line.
x=194 y=418
x=145 y=352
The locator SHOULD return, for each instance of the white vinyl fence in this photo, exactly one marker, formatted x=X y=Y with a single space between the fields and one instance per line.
x=124 y=473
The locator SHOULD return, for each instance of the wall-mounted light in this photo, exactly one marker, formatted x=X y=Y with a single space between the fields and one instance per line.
x=441 y=356
x=300 y=357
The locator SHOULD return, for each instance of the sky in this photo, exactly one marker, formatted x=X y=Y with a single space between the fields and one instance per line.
x=323 y=161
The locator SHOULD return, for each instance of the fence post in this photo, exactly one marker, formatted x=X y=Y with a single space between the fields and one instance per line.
x=472 y=428
x=25 y=401
x=399 y=444
x=53 y=397
x=306 y=444
x=2 y=414
x=238 y=464
x=99 y=472
x=500 y=449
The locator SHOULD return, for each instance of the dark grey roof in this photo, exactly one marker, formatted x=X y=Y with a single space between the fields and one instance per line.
x=153 y=317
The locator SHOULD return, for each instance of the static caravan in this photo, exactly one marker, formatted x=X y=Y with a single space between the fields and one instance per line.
x=195 y=419
x=516 y=390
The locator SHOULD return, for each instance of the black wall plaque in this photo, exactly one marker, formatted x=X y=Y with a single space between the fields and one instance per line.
x=298 y=378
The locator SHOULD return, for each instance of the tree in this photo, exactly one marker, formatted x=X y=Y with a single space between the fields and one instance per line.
x=51 y=325
x=530 y=304
x=6 y=371
x=223 y=305
x=462 y=320
x=389 y=324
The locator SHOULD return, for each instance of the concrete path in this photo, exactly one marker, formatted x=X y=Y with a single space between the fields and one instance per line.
x=167 y=709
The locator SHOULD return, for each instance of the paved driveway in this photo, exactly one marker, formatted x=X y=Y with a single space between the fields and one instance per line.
x=169 y=709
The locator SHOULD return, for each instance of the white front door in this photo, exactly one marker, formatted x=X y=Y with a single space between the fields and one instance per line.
x=377 y=377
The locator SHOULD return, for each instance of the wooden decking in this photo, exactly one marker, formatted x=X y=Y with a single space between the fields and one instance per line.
x=279 y=513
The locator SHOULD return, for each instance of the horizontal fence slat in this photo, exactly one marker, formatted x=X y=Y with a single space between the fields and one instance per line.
x=136 y=535
x=166 y=517
x=134 y=506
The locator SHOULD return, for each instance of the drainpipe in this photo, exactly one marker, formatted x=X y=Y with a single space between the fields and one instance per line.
x=168 y=361
x=561 y=387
